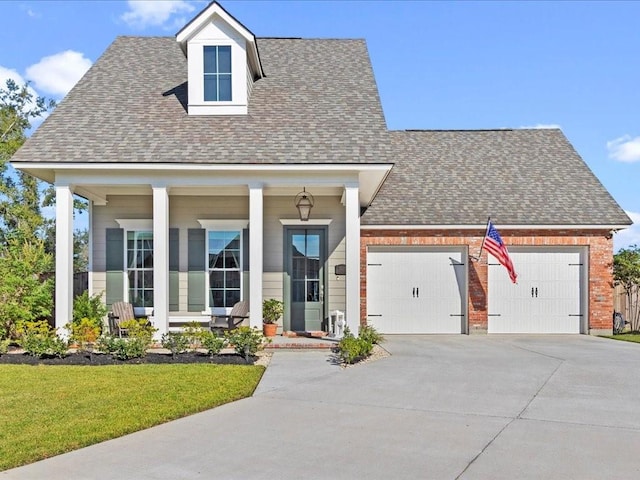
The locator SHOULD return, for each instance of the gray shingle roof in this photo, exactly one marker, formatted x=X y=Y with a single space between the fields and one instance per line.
x=520 y=177
x=318 y=104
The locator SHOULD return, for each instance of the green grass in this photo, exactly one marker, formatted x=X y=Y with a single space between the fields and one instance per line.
x=48 y=410
x=627 y=337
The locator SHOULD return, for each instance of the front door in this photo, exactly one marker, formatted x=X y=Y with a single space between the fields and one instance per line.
x=305 y=256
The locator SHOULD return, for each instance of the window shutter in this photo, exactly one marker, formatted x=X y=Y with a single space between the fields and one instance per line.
x=114 y=266
x=174 y=269
x=196 y=284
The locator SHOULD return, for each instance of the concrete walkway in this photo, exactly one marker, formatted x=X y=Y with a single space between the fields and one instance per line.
x=441 y=407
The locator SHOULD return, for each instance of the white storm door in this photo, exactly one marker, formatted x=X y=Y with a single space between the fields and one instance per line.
x=547 y=298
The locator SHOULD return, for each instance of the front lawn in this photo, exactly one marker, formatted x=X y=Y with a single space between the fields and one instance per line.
x=627 y=337
x=48 y=410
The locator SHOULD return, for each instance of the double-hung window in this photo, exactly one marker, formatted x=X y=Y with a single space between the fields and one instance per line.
x=140 y=268
x=217 y=73
x=224 y=250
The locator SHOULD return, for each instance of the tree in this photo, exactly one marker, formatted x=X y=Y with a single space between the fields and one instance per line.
x=26 y=293
x=626 y=272
x=19 y=192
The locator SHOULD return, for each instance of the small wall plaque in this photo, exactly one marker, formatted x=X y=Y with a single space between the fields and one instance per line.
x=341 y=269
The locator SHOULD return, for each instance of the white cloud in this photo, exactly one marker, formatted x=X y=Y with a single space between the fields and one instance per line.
x=625 y=149
x=629 y=236
x=57 y=74
x=8 y=73
x=146 y=13
x=542 y=126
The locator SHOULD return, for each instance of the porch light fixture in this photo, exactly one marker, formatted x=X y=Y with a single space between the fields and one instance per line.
x=304 y=204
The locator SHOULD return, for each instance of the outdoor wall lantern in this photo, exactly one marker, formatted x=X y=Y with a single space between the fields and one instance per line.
x=304 y=204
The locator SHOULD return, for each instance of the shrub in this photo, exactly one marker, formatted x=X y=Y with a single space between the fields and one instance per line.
x=84 y=332
x=139 y=328
x=246 y=341
x=4 y=346
x=175 y=342
x=371 y=335
x=140 y=333
x=213 y=343
x=194 y=333
x=39 y=340
x=353 y=349
x=25 y=296
x=89 y=307
x=123 y=348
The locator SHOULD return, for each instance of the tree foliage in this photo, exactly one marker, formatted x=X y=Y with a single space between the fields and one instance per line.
x=626 y=272
x=25 y=292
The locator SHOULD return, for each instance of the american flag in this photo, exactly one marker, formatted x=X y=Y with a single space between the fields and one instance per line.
x=495 y=246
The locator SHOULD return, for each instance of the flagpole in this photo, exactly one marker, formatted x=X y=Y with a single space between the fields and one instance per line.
x=483 y=239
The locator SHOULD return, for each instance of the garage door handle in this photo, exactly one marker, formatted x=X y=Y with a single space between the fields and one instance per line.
x=417 y=292
x=494 y=315
x=456 y=314
x=374 y=315
x=413 y=294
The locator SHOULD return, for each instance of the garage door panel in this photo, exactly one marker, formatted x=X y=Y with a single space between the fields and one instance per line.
x=416 y=291
x=547 y=298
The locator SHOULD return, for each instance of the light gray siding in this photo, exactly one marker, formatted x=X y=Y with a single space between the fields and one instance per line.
x=184 y=213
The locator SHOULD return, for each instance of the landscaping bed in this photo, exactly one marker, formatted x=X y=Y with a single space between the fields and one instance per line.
x=84 y=358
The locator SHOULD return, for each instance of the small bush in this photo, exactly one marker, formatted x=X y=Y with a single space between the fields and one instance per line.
x=213 y=343
x=139 y=328
x=4 y=346
x=123 y=348
x=85 y=332
x=39 y=340
x=246 y=341
x=371 y=335
x=194 y=333
x=135 y=345
x=353 y=349
x=91 y=307
x=175 y=342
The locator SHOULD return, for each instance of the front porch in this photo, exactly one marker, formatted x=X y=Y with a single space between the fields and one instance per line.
x=182 y=246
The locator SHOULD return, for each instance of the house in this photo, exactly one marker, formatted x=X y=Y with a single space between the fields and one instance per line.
x=193 y=152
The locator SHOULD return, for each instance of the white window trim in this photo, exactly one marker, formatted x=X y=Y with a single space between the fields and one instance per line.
x=221 y=226
x=133 y=225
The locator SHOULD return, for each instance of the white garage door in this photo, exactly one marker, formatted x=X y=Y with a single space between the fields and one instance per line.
x=411 y=290
x=547 y=298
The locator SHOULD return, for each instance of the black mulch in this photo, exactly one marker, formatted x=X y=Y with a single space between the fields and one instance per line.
x=84 y=358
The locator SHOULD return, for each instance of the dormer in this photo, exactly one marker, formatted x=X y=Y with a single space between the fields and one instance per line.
x=223 y=62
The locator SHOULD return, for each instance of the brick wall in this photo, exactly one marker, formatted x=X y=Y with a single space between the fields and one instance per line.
x=599 y=246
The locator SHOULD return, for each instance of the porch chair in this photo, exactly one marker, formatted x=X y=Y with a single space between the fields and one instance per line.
x=238 y=314
x=120 y=312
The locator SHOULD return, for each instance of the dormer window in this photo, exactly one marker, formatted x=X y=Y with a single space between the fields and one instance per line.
x=217 y=73
x=222 y=63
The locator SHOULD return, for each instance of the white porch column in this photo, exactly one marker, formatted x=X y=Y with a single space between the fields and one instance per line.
x=255 y=254
x=64 y=256
x=161 y=260
x=352 y=205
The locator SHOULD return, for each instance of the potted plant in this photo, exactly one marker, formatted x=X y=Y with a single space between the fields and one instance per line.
x=272 y=310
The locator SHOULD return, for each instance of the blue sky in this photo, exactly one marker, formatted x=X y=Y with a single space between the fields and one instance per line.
x=438 y=65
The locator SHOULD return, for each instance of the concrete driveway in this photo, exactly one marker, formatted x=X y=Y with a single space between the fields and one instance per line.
x=441 y=407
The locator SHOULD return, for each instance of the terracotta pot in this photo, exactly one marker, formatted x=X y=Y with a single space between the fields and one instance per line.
x=269 y=329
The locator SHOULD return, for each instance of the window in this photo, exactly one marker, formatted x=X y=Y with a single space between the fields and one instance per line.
x=140 y=268
x=225 y=267
x=217 y=73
